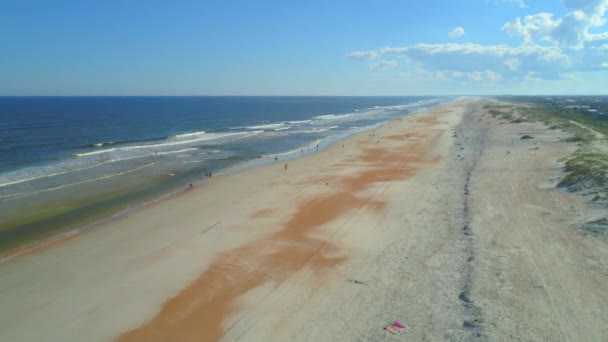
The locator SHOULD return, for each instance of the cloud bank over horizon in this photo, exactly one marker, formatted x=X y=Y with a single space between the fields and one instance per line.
x=551 y=48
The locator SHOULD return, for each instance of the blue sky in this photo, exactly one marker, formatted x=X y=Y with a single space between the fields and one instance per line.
x=303 y=47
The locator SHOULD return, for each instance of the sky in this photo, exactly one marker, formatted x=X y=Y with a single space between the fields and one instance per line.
x=440 y=47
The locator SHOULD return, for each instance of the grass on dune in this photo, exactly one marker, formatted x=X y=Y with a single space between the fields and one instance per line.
x=587 y=170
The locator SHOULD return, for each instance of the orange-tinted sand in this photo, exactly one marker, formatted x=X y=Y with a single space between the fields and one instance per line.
x=199 y=311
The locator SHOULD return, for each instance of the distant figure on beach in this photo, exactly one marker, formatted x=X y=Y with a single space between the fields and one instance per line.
x=317 y=146
x=285 y=166
x=209 y=174
x=302 y=152
x=276 y=158
x=191 y=186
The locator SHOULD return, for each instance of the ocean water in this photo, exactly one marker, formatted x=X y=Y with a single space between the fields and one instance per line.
x=64 y=159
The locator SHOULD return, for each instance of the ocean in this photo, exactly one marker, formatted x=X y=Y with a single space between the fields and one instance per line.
x=68 y=161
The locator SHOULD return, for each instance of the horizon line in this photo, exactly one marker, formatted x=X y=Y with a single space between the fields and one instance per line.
x=418 y=95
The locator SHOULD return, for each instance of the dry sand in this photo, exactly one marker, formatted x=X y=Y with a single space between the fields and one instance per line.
x=392 y=226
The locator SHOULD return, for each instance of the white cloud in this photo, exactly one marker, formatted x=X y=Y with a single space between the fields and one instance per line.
x=456 y=32
x=362 y=55
x=604 y=65
x=519 y=3
x=551 y=48
x=592 y=10
x=512 y=64
x=533 y=76
x=477 y=76
x=597 y=36
x=469 y=57
x=532 y=28
x=474 y=76
x=492 y=76
x=569 y=31
x=383 y=65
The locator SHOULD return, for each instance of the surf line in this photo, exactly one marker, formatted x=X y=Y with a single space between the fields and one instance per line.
x=25 y=194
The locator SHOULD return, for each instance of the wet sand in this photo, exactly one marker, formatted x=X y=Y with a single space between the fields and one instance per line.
x=392 y=226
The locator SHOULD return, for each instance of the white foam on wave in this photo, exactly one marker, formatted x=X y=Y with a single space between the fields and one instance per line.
x=188 y=135
x=70 y=166
x=178 y=151
x=317 y=130
x=172 y=142
x=25 y=194
x=106 y=143
x=17 y=177
x=406 y=106
x=92 y=153
x=267 y=126
x=331 y=116
x=372 y=112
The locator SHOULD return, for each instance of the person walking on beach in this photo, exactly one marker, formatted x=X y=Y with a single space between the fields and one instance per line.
x=285 y=166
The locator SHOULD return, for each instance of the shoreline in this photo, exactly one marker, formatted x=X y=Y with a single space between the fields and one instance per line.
x=441 y=220
x=313 y=213
x=124 y=208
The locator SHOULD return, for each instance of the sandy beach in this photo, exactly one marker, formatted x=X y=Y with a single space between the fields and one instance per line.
x=443 y=220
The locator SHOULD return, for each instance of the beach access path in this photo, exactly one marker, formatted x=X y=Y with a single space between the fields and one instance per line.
x=442 y=220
